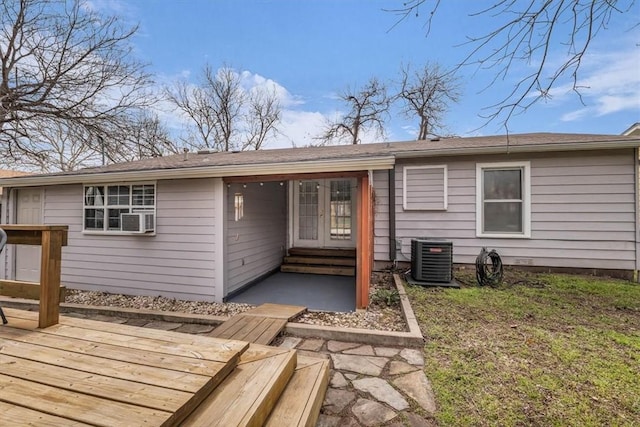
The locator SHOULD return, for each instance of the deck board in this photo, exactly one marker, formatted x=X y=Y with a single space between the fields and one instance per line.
x=259 y=330
x=93 y=373
x=278 y=311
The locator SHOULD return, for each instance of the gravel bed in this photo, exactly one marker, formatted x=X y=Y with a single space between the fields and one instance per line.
x=378 y=316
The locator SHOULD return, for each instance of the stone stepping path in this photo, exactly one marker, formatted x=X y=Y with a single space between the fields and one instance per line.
x=372 y=385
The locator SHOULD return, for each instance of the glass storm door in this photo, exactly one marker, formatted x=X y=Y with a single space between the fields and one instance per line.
x=323 y=213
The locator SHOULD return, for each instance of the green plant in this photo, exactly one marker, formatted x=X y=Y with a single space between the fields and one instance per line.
x=388 y=297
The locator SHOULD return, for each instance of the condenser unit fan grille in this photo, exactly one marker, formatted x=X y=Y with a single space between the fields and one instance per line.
x=432 y=260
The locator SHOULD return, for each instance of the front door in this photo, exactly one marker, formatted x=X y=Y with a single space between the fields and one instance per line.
x=323 y=210
x=29 y=211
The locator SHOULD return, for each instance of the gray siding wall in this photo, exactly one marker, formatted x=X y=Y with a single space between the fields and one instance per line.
x=425 y=189
x=256 y=243
x=582 y=212
x=177 y=262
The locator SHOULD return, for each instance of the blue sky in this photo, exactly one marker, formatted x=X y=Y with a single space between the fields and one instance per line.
x=311 y=50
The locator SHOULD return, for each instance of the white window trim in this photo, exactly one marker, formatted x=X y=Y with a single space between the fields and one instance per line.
x=406 y=206
x=105 y=232
x=526 y=199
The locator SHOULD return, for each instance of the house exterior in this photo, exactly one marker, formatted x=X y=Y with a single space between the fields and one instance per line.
x=203 y=226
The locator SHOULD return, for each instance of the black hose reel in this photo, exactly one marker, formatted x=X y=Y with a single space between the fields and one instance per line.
x=489 y=274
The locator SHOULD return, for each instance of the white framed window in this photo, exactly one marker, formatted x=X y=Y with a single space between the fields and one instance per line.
x=503 y=199
x=104 y=205
x=424 y=188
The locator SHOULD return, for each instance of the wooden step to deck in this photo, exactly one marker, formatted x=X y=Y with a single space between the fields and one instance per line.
x=248 y=395
x=312 y=269
x=300 y=403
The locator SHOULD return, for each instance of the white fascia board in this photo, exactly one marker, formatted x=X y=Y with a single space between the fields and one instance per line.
x=318 y=166
x=503 y=149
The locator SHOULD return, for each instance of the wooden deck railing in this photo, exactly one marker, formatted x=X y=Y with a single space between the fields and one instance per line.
x=52 y=238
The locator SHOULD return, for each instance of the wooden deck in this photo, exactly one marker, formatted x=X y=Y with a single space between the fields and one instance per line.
x=87 y=373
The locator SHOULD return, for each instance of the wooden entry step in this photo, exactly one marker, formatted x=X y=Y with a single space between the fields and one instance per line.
x=333 y=261
x=323 y=252
x=313 y=269
x=326 y=261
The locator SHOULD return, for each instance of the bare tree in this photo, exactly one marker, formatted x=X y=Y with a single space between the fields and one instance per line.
x=262 y=117
x=367 y=109
x=60 y=146
x=143 y=136
x=527 y=33
x=426 y=93
x=223 y=115
x=63 y=68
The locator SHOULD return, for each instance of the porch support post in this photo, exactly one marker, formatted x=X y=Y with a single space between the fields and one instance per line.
x=364 y=254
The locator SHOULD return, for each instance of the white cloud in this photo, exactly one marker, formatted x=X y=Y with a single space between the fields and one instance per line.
x=298 y=128
x=611 y=84
x=252 y=81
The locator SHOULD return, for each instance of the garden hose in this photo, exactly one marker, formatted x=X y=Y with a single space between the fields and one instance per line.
x=488 y=274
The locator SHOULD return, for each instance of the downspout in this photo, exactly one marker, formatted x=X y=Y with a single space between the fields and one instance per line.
x=392 y=214
x=636 y=163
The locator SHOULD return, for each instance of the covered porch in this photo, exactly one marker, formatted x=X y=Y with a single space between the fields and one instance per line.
x=315 y=291
x=270 y=217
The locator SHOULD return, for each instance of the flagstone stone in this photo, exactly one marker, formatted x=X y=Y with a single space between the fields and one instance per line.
x=365 y=350
x=328 y=421
x=417 y=386
x=311 y=345
x=336 y=400
x=290 y=342
x=397 y=367
x=338 y=346
x=381 y=391
x=372 y=413
x=137 y=321
x=386 y=351
x=194 y=328
x=351 y=376
x=104 y=318
x=413 y=356
x=368 y=365
x=416 y=420
x=338 y=380
x=349 y=422
x=164 y=326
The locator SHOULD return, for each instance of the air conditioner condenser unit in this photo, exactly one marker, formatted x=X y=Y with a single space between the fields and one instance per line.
x=432 y=260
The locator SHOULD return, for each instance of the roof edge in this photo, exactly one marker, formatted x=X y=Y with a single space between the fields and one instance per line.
x=531 y=148
x=300 y=167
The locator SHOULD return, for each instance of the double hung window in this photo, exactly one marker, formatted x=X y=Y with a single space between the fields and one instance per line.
x=503 y=201
x=105 y=204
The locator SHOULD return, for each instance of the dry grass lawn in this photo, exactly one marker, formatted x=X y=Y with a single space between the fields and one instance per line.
x=540 y=350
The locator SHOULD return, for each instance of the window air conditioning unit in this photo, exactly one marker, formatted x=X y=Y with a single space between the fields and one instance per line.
x=432 y=260
x=137 y=222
